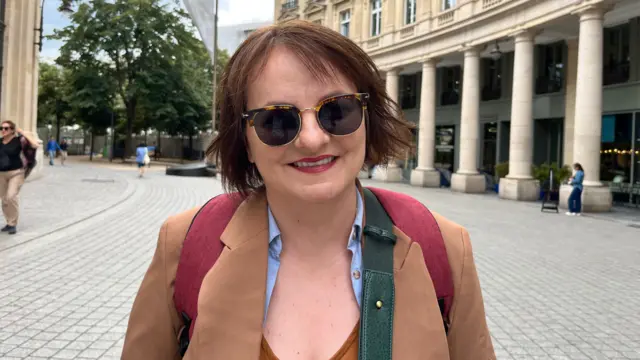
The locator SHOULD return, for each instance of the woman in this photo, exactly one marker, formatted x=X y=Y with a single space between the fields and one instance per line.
x=575 y=198
x=298 y=170
x=141 y=155
x=12 y=172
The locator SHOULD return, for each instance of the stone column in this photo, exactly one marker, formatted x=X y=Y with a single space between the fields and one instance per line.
x=425 y=174
x=467 y=179
x=570 y=100
x=519 y=184
x=392 y=172
x=20 y=73
x=588 y=112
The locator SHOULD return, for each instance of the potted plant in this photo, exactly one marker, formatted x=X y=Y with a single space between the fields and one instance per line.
x=501 y=170
x=560 y=175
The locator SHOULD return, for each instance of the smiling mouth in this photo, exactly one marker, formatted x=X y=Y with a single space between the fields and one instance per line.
x=306 y=164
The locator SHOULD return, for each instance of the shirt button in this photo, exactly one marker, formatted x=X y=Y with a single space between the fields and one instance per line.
x=356 y=274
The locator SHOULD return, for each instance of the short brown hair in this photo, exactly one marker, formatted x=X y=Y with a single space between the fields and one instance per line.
x=12 y=125
x=325 y=53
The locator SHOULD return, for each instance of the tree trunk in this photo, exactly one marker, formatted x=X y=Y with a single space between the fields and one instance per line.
x=158 y=151
x=190 y=147
x=131 y=115
x=57 y=126
x=91 y=147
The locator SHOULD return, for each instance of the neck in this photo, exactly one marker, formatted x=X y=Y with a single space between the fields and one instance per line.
x=317 y=231
x=7 y=138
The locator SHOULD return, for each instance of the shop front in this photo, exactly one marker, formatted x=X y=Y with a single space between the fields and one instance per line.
x=620 y=156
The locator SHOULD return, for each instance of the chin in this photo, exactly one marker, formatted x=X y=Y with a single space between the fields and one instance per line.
x=319 y=192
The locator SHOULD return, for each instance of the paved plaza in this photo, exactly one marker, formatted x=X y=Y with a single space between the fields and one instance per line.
x=555 y=287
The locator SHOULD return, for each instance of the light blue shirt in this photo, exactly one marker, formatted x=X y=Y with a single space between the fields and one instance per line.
x=577 y=179
x=354 y=245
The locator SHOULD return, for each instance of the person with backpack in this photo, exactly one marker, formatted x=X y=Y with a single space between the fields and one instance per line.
x=17 y=158
x=64 y=148
x=298 y=259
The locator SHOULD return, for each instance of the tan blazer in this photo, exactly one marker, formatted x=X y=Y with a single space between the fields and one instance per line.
x=232 y=297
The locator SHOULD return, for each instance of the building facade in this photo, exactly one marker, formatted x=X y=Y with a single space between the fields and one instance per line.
x=19 y=54
x=231 y=36
x=520 y=81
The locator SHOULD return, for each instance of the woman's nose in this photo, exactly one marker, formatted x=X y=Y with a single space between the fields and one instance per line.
x=311 y=136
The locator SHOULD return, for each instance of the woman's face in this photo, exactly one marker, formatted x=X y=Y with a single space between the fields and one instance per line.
x=6 y=129
x=286 y=81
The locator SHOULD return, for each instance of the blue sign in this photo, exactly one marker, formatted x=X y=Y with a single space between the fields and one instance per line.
x=608 y=128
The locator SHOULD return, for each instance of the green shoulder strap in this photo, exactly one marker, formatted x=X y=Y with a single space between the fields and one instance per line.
x=376 y=311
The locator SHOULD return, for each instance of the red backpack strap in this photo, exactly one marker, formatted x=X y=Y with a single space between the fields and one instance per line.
x=200 y=250
x=417 y=222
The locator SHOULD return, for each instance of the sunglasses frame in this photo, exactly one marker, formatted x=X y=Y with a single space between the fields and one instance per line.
x=250 y=114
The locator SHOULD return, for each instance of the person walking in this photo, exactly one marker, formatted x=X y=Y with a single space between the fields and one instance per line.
x=12 y=172
x=64 y=147
x=575 y=198
x=52 y=147
x=142 y=156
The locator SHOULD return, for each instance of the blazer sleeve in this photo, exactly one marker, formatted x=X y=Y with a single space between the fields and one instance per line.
x=469 y=336
x=154 y=322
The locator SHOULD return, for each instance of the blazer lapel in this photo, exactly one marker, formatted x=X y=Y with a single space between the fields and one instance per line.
x=418 y=332
x=232 y=295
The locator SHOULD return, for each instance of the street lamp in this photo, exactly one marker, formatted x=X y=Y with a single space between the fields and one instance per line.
x=49 y=131
x=65 y=7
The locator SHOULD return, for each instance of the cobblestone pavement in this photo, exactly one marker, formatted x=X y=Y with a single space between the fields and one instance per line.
x=555 y=287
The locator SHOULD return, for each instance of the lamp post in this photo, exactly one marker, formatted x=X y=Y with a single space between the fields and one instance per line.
x=64 y=7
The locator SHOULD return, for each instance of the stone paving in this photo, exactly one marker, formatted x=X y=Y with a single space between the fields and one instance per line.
x=555 y=287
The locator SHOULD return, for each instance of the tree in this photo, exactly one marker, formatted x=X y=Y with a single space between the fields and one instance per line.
x=53 y=106
x=125 y=40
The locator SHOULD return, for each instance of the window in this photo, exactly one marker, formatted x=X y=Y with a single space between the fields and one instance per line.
x=492 y=82
x=319 y=22
x=550 y=68
x=345 y=21
x=409 y=11
x=289 y=4
x=448 y=4
x=616 y=55
x=451 y=85
x=376 y=17
x=409 y=85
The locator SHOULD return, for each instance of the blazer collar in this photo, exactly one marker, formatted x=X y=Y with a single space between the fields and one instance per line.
x=232 y=295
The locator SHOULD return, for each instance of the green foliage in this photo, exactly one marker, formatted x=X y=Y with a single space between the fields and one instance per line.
x=560 y=174
x=52 y=95
x=540 y=173
x=149 y=60
x=502 y=170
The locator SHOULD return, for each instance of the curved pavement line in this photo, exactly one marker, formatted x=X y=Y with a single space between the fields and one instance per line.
x=129 y=191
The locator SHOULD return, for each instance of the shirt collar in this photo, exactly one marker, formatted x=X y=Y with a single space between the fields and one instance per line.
x=274 y=230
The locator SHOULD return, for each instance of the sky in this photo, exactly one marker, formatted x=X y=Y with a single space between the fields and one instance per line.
x=231 y=12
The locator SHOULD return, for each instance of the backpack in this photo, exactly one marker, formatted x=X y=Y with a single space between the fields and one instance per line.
x=28 y=156
x=202 y=247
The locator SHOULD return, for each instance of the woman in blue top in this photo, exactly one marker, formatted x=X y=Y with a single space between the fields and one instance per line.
x=575 y=199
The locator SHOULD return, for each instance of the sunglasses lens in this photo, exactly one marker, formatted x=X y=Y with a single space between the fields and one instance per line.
x=277 y=127
x=341 y=116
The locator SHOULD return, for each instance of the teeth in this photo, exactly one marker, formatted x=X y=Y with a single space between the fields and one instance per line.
x=316 y=163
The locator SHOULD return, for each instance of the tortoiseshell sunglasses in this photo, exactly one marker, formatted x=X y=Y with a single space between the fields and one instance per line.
x=278 y=125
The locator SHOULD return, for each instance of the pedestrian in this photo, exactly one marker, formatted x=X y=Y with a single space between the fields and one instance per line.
x=52 y=148
x=575 y=198
x=12 y=171
x=308 y=264
x=142 y=156
x=64 y=147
